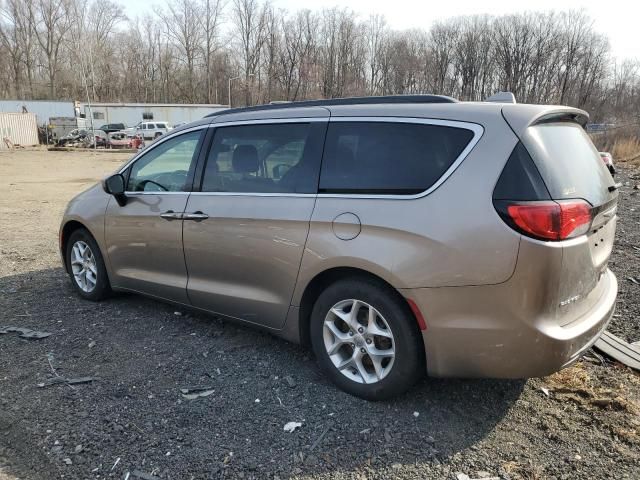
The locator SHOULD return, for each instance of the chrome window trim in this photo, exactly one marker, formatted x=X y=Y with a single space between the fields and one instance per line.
x=133 y=194
x=477 y=129
x=269 y=121
x=255 y=194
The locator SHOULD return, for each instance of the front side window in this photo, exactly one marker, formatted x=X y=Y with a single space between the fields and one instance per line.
x=166 y=167
x=388 y=157
x=278 y=158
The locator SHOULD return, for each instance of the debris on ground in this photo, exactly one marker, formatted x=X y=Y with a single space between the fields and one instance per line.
x=618 y=349
x=319 y=439
x=25 y=332
x=292 y=426
x=576 y=385
x=191 y=393
x=144 y=476
x=479 y=476
x=68 y=381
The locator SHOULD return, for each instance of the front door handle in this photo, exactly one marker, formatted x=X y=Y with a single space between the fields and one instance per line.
x=171 y=215
x=195 y=216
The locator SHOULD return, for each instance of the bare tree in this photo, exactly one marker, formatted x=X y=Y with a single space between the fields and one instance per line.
x=210 y=24
x=10 y=24
x=249 y=20
x=183 y=23
x=53 y=48
x=51 y=20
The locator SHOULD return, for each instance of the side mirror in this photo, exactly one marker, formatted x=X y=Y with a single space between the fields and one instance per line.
x=114 y=185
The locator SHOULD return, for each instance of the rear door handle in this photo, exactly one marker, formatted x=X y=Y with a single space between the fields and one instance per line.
x=195 y=216
x=171 y=215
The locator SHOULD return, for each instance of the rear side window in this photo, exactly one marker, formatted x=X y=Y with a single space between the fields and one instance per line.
x=278 y=158
x=520 y=179
x=570 y=165
x=388 y=157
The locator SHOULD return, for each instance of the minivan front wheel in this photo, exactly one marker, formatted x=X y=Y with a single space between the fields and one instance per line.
x=365 y=339
x=86 y=267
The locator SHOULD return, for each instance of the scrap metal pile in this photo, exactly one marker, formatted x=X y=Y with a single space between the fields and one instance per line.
x=81 y=138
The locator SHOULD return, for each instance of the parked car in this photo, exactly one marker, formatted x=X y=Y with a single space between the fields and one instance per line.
x=607 y=158
x=74 y=136
x=97 y=138
x=394 y=235
x=112 y=127
x=149 y=130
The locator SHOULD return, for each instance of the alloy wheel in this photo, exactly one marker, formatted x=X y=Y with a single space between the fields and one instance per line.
x=83 y=266
x=359 y=341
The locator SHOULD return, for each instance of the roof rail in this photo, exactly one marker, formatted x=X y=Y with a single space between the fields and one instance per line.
x=387 y=99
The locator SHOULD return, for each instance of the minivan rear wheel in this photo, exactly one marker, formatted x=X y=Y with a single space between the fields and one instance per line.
x=86 y=266
x=365 y=339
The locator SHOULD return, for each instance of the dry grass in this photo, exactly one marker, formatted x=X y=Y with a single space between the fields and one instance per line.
x=626 y=149
x=576 y=384
x=524 y=472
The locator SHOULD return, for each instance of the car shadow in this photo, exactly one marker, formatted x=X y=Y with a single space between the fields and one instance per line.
x=144 y=352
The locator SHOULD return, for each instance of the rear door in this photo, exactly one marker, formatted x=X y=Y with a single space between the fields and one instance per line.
x=245 y=230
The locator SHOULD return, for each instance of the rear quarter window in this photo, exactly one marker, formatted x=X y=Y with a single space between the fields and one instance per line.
x=568 y=162
x=388 y=157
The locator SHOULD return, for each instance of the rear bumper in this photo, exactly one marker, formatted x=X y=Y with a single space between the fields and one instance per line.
x=491 y=331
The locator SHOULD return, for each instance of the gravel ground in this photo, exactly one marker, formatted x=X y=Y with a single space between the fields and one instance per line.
x=583 y=422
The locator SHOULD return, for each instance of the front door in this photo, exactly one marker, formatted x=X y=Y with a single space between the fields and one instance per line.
x=144 y=237
x=245 y=231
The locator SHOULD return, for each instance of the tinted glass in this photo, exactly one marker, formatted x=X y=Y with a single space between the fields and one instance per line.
x=388 y=158
x=166 y=167
x=520 y=179
x=569 y=163
x=275 y=158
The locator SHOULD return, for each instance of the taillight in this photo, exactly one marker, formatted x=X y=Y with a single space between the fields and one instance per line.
x=548 y=219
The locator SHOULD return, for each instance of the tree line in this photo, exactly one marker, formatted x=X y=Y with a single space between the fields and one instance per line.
x=186 y=51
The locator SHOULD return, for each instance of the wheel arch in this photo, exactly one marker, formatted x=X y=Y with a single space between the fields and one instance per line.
x=66 y=231
x=325 y=278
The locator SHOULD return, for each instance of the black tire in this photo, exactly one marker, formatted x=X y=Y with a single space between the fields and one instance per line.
x=409 y=361
x=102 y=288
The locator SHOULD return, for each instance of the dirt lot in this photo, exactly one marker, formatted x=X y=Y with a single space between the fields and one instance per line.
x=581 y=423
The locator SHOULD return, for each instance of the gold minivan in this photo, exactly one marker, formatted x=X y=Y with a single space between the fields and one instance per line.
x=394 y=235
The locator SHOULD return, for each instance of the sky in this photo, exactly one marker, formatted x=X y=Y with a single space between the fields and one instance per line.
x=618 y=19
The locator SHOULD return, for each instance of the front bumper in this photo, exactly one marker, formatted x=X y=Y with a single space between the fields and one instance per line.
x=484 y=331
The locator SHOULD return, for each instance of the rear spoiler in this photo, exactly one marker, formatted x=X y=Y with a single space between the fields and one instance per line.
x=522 y=116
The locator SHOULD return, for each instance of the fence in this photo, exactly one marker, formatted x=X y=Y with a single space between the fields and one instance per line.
x=18 y=129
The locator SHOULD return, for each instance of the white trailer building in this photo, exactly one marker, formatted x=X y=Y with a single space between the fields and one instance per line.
x=133 y=113
x=43 y=109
